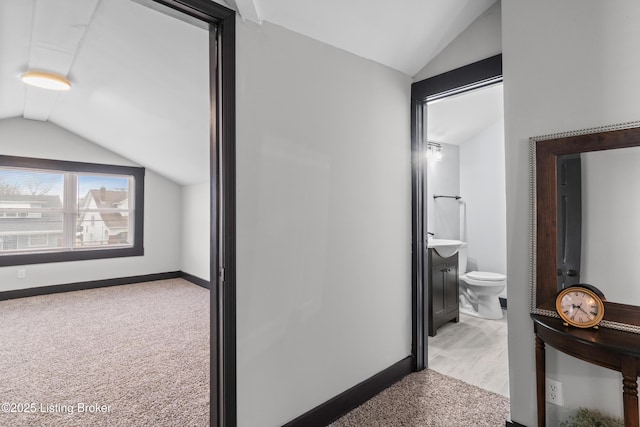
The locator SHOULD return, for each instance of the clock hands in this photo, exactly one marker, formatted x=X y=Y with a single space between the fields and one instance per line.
x=579 y=308
x=589 y=315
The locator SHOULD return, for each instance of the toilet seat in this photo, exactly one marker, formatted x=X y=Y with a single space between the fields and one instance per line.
x=486 y=276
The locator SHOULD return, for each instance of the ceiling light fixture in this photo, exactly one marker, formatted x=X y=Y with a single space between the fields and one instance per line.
x=45 y=80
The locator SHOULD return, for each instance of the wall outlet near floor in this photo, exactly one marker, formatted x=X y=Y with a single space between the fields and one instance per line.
x=554 y=392
x=22 y=273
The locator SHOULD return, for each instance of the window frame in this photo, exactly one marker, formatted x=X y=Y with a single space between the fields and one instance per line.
x=89 y=253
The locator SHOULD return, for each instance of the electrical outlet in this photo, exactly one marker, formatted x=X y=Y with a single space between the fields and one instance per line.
x=22 y=273
x=554 y=392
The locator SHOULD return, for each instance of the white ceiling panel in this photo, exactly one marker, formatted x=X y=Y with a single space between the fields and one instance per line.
x=141 y=89
x=56 y=34
x=140 y=78
x=16 y=17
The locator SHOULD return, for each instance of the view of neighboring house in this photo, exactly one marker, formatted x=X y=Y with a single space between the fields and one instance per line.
x=36 y=222
x=103 y=218
x=25 y=223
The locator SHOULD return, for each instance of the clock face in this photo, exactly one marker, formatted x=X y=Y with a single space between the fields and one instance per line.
x=580 y=307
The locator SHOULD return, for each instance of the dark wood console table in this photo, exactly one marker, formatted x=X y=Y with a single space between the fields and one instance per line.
x=610 y=348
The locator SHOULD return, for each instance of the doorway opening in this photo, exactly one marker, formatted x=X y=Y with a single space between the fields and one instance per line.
x=220 y=22
x=436 y=89
x=466 y=203
x=119 y=71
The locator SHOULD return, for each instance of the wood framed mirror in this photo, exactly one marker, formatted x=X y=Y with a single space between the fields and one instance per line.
x=585 y=219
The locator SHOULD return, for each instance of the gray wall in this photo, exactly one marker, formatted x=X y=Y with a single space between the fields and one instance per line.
x=162 y=224
x=323 y=222
x=567 y=65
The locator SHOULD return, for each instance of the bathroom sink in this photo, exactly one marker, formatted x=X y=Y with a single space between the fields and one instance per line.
x=444 y=247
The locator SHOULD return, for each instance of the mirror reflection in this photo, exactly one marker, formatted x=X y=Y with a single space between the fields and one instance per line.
x=598 y=221
x=583 y=226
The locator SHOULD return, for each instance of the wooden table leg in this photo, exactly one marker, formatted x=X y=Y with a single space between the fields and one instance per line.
x=540 y=381
x=630 y=391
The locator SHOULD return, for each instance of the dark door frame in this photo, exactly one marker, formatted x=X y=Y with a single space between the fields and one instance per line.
x=221 y=23
x=479 y=74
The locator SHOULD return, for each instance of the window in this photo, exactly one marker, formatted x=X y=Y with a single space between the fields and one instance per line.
x=54 y=211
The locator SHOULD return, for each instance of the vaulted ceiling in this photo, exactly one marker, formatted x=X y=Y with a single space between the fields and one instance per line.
x=140 y=77
x=402 y=34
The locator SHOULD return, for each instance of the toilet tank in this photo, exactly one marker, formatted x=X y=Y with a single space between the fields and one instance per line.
x=462 y=259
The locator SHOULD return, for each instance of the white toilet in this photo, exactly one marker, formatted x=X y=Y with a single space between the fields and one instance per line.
x=479 y=290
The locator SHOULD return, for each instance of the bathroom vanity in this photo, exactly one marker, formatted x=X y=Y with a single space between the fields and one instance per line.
x=443 y=290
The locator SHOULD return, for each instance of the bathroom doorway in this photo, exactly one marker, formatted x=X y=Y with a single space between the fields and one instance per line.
x=443 y=120
x=466 y=202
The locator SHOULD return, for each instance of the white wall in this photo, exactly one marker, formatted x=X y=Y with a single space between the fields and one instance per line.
x=443 y=214
x=567 y=65
x=323 y=222
x=480 y=40
x=482 y=188
x=27 y=138
x=196 y=237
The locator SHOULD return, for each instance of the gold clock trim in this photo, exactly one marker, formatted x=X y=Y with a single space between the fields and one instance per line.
x=571 y=322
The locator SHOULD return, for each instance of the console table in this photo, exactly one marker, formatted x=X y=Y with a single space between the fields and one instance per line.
x=605 y=347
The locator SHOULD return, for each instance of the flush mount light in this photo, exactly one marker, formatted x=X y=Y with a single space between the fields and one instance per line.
x=45 y=80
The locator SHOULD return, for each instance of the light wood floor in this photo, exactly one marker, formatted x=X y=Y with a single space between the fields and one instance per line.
x=474 y=351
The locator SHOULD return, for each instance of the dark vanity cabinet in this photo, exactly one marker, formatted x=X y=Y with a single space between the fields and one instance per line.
x=443 y=290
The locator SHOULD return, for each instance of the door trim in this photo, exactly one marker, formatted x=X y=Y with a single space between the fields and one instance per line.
x=472 y=76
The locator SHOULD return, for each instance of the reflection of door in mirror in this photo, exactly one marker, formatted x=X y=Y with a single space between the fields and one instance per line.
x=569 y=190
x=597 y=226
x=610 y=229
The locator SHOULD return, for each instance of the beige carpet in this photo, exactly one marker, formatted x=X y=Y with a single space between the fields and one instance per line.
x=428 y=398
x=142 y=353
x=139 y=351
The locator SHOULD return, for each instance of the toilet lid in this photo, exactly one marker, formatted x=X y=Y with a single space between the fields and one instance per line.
x=485 y=275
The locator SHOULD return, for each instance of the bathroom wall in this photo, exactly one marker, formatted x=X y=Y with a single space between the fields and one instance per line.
x=474 y=170
x=443 y=215
x=482 y=187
